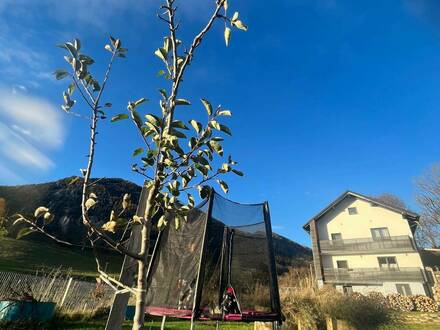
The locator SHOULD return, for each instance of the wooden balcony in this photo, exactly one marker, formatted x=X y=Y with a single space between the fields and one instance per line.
x=367 y=245
x=372 y=275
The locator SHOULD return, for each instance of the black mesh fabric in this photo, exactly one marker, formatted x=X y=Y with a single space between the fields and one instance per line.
x=175 y=265
x=234 y=248
x=237 y=257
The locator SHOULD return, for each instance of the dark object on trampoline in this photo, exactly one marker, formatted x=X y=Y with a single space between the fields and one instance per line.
x=219 y=265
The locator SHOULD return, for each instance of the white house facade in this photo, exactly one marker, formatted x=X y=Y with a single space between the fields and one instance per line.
x=362 y=245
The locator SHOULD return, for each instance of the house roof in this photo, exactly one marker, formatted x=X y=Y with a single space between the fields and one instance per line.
x=407 y=214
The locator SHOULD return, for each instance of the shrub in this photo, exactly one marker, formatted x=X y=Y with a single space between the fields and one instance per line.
x=356 y=309
x=400 y=303
x=424 y=304
x=305 y=303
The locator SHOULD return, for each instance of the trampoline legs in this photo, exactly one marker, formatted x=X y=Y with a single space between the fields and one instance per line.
x=162 y=325
x=217 y=326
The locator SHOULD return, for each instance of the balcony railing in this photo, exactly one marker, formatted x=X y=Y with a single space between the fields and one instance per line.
x=367 y=245
x=372 y=275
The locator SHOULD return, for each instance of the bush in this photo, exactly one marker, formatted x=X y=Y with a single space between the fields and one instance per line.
x=303 y=302
x=424 y=304
x=356 y=309
x=400 y=303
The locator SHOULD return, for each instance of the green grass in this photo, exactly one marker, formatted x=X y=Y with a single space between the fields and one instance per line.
x=100 y=324
x=411 y=327
x=28 y=256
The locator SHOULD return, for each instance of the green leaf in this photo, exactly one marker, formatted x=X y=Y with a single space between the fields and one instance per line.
x=24 y=232
x=227 y=35
x=161 y=222
x=191 y=201
x=160 y=73
x=223 y=185
x=140 y=101
x=182 y=102
x=197 y=126
x=163 y=92
x=176 y=133
x=216 y=146
x=77 y=44
x=71 y=48
x=60 y=74
x=109 y=48
x=225 y=129
x=113 y=40
x=137 y=119
x=162 y=54
x=239 y=173
x=153 y=120
x=239 y=25
x=214 y=124
x=203 y=191
x=207 y=106
x=225 y=113
x=86 y=59
x=179 y=124
x=71 y=88
x=137 y=151
x=120 y=116
x=202 y=169
x=235 y=16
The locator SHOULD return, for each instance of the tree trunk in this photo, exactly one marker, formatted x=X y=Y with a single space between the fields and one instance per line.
x=138 y=320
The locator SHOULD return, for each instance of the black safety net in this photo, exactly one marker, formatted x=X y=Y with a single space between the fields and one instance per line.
x=218 y=265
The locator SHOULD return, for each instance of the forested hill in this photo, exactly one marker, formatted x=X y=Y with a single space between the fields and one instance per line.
x=63 y=198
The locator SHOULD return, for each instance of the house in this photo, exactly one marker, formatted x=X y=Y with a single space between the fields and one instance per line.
x=360 y=244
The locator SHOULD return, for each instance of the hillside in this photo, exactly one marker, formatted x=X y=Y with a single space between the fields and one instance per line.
x=63 y=199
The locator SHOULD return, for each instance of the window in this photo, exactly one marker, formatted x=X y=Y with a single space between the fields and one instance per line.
x=336 y=237
x=342 y=264
x=352 y=210
x=380 y=233
x=404 y=289
x=347 y=289
x=387 y=262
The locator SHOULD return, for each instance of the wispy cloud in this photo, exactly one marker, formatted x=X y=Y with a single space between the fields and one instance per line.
x=29 y=128
x=91 y=14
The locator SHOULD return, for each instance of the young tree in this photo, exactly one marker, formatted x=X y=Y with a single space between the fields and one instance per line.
x=174 y=163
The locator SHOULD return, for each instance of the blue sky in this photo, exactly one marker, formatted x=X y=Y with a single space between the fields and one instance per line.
x=327 y=95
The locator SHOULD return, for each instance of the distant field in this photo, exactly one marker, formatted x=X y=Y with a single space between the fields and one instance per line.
x=28 y=256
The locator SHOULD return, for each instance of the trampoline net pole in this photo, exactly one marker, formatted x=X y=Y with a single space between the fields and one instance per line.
x=274 y=293
x=201 y=271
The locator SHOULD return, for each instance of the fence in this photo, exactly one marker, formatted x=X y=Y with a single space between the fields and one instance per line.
x=70 y=295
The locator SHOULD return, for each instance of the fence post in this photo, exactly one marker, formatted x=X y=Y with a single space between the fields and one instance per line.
x=66 y=291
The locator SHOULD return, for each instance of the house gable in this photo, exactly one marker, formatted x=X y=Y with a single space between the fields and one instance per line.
x=371 y=210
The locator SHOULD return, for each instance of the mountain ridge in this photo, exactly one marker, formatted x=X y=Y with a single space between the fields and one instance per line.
x=63 y=198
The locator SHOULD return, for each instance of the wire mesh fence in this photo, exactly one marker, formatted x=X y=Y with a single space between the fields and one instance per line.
x=71 y=295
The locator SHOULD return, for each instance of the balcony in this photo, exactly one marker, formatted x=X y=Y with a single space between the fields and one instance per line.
x=372 y=275
x=367 y=245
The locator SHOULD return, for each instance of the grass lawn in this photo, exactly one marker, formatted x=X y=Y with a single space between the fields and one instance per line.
x=100 y=324
x=412 y=327
x=27 y=256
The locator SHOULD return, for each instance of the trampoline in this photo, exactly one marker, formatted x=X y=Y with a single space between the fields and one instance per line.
x=219 y=265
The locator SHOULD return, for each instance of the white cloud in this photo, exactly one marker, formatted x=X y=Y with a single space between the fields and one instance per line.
x=29 y=128
x=36 y=117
